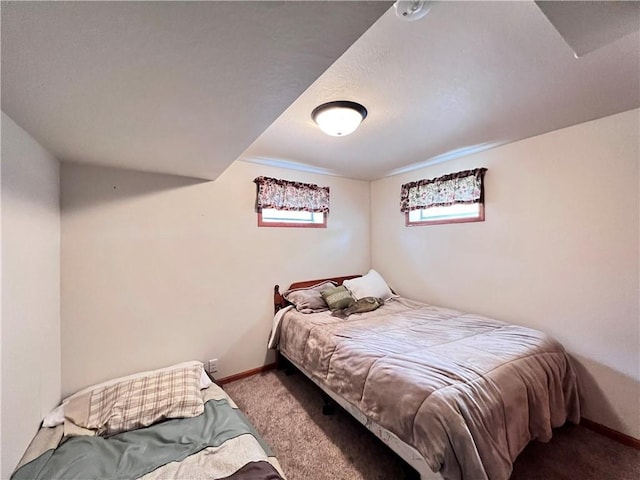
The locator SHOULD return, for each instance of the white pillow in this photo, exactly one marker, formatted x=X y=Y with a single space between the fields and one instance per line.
x=56 y=416
x=370 y=285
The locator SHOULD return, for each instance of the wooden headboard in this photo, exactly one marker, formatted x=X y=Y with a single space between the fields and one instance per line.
x=279 y=301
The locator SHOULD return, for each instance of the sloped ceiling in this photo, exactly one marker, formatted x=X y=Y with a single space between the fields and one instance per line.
x=188 y=87
x=171 y=87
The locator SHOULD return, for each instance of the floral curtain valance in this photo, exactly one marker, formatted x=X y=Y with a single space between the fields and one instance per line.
x=287 y=195
x=451 y=189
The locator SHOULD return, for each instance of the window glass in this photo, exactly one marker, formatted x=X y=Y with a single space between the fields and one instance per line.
x=271 y=217
x=466 y=212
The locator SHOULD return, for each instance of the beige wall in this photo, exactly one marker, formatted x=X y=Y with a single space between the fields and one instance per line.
x=30 y=328
x=159 y=269
x=559 y=251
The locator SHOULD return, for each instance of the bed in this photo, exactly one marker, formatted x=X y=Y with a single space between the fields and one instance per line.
x=456 y=395
x=172 y=423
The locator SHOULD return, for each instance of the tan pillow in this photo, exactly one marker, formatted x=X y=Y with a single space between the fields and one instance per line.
x=138 y=402
x=309 y=300
x=56 y=416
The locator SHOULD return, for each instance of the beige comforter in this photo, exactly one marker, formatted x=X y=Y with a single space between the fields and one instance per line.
x=466 y=391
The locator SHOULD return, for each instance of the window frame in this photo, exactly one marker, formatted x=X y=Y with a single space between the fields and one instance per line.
x=444 y=221
x=263 y=223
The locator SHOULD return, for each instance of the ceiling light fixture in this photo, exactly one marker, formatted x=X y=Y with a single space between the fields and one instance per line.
x=339 y=118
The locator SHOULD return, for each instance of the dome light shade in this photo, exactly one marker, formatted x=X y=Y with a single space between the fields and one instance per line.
x=339 y=118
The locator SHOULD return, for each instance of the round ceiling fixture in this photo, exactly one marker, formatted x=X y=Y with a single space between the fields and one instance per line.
x=339 y=118
x=410 y=10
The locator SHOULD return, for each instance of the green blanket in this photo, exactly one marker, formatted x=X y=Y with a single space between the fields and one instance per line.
x=130 y=455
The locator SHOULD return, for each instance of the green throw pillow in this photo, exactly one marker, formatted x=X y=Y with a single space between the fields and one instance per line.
x=337 y=297
x=366 y=304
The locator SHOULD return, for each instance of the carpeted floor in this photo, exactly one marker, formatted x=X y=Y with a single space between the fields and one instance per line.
x=287 y=411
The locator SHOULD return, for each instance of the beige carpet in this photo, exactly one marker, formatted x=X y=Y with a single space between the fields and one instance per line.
x=287 y=411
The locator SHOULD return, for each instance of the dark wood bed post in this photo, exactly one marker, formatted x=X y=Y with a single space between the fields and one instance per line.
x=276 y=294
x=278 y=301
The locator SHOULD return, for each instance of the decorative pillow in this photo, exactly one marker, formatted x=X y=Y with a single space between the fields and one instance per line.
x=309 y=300
x=370 y=285
x=56 y=416
x=337 y=298
x=138 y=402
x=366 y=304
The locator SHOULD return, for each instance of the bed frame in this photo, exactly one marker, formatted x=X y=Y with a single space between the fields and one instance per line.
x=279 y=301
x=405 y=451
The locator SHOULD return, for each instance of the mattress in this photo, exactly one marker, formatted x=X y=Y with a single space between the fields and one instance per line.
x=218 y=444
x=466 y=391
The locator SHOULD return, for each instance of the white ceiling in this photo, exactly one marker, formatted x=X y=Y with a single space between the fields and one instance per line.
x=467 y=77
x=185 y=88
x=171 y=87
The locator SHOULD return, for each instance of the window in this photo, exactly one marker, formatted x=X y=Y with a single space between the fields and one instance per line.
x=472 y=212
x=453 y=198
x=283 y=203
x=271 y=217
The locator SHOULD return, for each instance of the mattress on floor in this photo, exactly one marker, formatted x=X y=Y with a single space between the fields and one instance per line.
x=220 y=444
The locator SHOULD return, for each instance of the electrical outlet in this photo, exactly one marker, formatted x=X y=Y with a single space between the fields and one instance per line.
x=213 y=365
